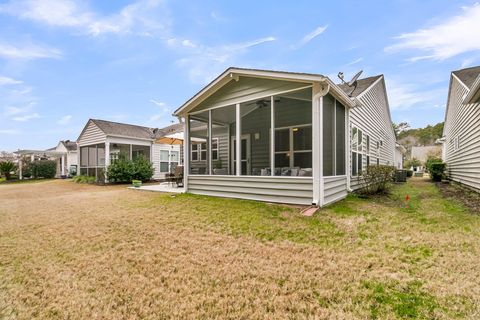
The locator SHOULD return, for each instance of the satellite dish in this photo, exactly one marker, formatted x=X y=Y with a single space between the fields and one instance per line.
x=354 y=79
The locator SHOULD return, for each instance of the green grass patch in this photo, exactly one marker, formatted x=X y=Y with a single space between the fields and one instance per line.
x=3 y=181
x=252 y=218
x=406 y=301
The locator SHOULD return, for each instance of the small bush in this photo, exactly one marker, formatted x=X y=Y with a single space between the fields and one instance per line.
x=431 y=160
x=437 y=171
x=43 y=169
x=376 y=179
x=84 y=179
x=125 y=171
x=6 y=168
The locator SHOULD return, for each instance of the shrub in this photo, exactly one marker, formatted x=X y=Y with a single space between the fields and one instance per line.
x=436 y=170
x=376 y=179
x=43 y=169
x=431 y=160
x=6 y=168
x=84 y=179
x=409 y=173
x=414 y=162
x=124 y=170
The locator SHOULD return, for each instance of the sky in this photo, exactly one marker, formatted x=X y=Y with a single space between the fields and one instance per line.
x=65 y=61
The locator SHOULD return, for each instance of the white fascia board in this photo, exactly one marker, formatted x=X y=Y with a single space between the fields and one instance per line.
x=234 y=74
x=474 y=93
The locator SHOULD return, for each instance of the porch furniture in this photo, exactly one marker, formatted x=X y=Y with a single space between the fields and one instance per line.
x=178 y=176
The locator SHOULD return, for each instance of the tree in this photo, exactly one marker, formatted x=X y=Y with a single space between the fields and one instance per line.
x=399 y=128
x=6 y=167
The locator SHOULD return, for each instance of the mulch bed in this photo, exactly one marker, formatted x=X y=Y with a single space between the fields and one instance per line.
x=470 y=199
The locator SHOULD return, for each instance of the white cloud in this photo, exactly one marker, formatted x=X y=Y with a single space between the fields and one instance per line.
x=406 y=96
x=28 y=52
x=64 y=120
x=354 y=62
x=160 y=114
x=9 y=131
x=136 y=18
x=205 y=62
x=26 y=117
x=8 y=81
x=451 y=37
x=157 y=103
x=312 y=35
x=14 y=110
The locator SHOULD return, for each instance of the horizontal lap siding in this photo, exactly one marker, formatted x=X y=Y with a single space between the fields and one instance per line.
x=462 y=121
x=373 y=118
x=281 y=190
x=91 y=135
x=335 y=189
x=245 y=89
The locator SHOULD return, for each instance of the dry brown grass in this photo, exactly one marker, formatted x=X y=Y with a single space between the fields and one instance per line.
x=87 y=252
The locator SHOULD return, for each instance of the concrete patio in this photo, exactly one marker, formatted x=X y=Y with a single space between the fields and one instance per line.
x=161 y=187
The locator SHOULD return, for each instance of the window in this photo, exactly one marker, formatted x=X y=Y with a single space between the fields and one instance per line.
x=456 y=143
x=214 y=149
x=199 y=151
x=140 y=151
x=293 y=147
x=357 y=148
x=92 y=161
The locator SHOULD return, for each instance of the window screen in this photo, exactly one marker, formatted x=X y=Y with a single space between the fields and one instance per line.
x=340 y=139
x=328 y=136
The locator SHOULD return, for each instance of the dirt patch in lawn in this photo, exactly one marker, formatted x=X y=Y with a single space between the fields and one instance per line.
x=470 y=199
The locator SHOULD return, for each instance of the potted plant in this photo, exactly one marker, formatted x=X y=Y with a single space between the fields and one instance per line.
x=137 y=183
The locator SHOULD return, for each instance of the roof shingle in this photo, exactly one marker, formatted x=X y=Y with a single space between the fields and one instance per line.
x=468 y=75
x=362 y=85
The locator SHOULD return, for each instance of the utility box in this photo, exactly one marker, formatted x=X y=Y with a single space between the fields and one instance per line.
x=401 y=176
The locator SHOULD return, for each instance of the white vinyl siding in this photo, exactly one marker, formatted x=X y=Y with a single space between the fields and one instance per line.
x=372 y=116
x=462 y=133
x=91 y=135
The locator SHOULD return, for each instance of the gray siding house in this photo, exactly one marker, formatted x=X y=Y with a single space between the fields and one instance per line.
x=102 y=142
x=461 y=133
x=283 y=136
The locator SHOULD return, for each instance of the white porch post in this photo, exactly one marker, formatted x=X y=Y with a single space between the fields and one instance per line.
x=107 y=157
x=209 y=143
x=62 y=164
x=318 y=91
x=238 y=144
x=348 y=154
x=20 y=168
x=186 y=151
x=272 y=136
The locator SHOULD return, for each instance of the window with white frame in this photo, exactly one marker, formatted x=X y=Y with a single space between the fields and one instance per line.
x=293 y=146
x=199 y=150
x=456 y=143
x=357 y=151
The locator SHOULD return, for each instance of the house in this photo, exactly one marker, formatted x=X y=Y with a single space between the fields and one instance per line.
x=461 y=133
x=284 y=137
x=67 y=164
x=102 y=142
x=400 y=152
x=422 y=153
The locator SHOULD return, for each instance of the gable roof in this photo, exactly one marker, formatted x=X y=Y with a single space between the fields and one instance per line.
x=468 y=75
x=362 y=86
x=124 y=129
x=69 y=145
x=234 y=73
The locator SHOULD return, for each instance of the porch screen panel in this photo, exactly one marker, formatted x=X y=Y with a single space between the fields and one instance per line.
x=293 y=133
x=140 y=151
x=255 y=137
x=328 y=128
x=199 y=151
x=223 y=132
x=340 y=139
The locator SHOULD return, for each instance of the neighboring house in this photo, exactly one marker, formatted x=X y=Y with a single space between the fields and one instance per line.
x=400 y=152
x=66 y=164
x=102 y=142
x=422 y=153
x=461 y=133
x=283 y=136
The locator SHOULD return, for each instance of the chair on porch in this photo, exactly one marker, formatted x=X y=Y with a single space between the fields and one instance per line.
x=178 y=176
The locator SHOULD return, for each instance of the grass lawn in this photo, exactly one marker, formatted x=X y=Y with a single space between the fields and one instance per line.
x=82 y=252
